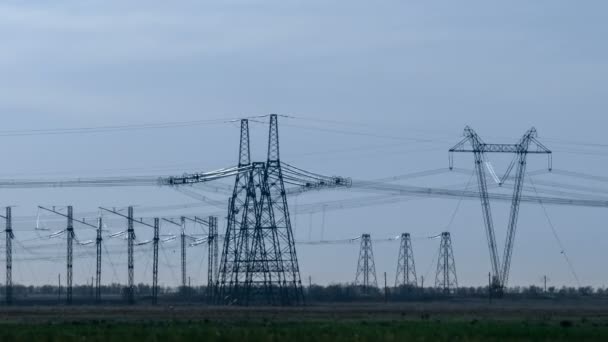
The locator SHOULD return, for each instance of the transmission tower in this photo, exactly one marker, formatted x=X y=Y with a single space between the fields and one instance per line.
x=366 y=268
x=259 y=262
x=130 y=240
x=70 y=238
x=155 y=261
x=130 y=263
x=232 y=268
x=445 y=278
x=9 y=256
x=406 y=268
x=98 y=241
x=528 y=144
x=212 y=241
x=280 y=222
x=183 y=248
x=70 y=241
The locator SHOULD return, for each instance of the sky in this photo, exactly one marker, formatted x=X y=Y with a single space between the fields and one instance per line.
x=372 y=90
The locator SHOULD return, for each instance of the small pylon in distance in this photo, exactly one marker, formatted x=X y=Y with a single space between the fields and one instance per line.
x=366 y=268
x=406 y=268
x=445 y=278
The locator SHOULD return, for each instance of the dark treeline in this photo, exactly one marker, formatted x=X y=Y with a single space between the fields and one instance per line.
x=316 y=293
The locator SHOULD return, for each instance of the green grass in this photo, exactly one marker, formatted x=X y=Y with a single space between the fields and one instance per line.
x=309 y=331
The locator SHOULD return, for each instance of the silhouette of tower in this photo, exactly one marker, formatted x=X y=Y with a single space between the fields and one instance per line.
x=406 y=268
x=445 y=277
x=259 y=262
x=366 y=268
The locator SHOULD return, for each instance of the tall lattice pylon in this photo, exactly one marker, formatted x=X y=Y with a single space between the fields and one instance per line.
x=406 y=268
x=259 y=263
x=275 y=216
x=366 y=267
x=445 y=278
x=232 y=267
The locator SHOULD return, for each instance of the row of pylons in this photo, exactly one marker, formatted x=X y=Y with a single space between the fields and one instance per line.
x=445 y=275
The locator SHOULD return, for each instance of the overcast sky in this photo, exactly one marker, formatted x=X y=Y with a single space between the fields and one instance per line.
x=374 y=90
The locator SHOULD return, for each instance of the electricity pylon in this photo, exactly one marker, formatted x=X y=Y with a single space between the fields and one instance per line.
x=9 y=255
x=406 y=268
x=235 y=249
x=366 y=267
x=130 y=244
x=525 y=146
x=445 y=277
x=212 y=267
x=98 y=242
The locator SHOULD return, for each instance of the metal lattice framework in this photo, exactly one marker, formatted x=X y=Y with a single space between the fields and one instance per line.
x=445 y=277
x=528 y=144
x=9 y=255
x=406 y=268
x=366 y=267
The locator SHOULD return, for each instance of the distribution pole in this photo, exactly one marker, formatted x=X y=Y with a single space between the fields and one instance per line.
x=130 y=238
x=70 y=237
x=9 y=256
x=183 y=243
x=213 y=255
x=155 y=262
x=70 y=240
x=98 y=268
x=385 y=289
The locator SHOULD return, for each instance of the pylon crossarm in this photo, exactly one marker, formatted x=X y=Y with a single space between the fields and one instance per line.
x=303 y=180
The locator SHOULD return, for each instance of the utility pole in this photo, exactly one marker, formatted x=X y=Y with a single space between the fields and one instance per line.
x=70 y=240
x=366 y=268
x=445 y=276
x=545 y=282
x=183 y=245
x=490 y=287
x=98 y=241
x=70 y=233
x=385 y=289
x=155 y=262
x=212 y=241
x=130 y=264
x=9 y=256
x=59 y=288
x=130 y=240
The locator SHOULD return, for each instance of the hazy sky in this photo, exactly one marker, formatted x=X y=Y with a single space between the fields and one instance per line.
x=396 y=82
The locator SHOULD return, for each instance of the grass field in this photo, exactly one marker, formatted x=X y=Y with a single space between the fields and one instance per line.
x=436 y=321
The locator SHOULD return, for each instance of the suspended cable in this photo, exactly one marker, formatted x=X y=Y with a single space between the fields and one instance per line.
x=557 y=239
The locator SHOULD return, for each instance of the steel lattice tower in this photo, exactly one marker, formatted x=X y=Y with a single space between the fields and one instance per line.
x=9 y=256
x=130 y=266
x=406 y=268
x=528 y=144
x=366 y=268
x=155 y=261
x=445 y=277
x=212 y=241
x=278 y=215
x=259 y=262
x=232 y=271
x=183 y=251
x=98 y=265
x=70 y=238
